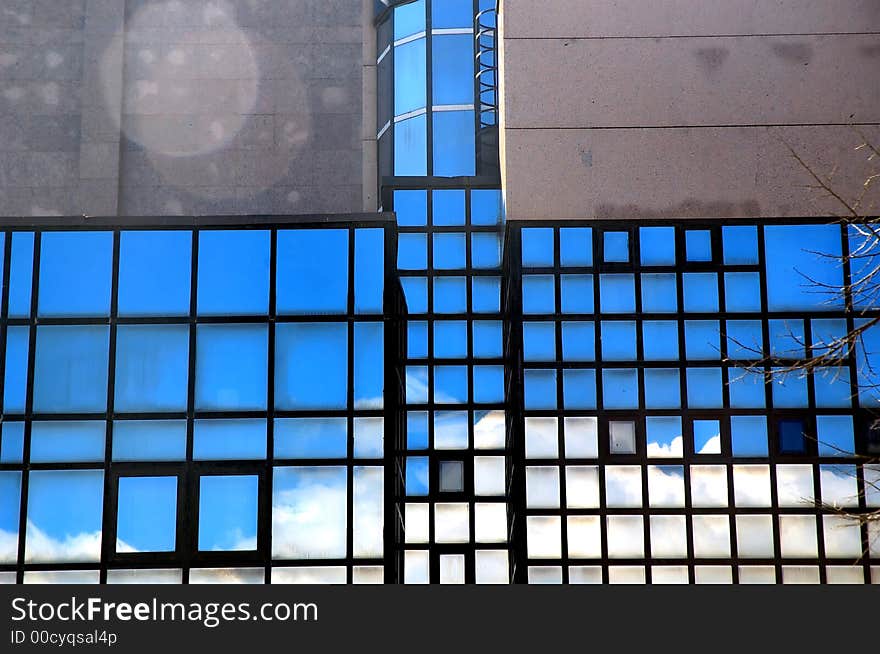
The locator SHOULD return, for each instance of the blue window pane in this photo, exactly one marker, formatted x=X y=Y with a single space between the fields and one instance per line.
x=486 y=296
x=616 y=246
x=539 y=341
x=417 y=339
x=659 y=293
x=485 y=250
x=618 y=340
x=746 y=389
x=64 y=516
x=700 y=292
x=412 y=251
x=487 y=207
x=740 y=244
x=539 y=296
x=304 y=353
x=488 y=384
x=10 y=506
x=410 y=82
x=617 y=293
x=411 y=207
x=369 y=437
x=744 y=339
x=657 y=246
x=12 y=442
x=417 y=430
x=415 y=291
x=575 y=246
x=146 y=514
x=835 y=435
x=233 y=275
x=704 y=388
x=662 y=388
x=417 y=475
x=449 y=251
x=312 y=271
x=450 y=430
x=789 y=390
x=787 y=338
x=537 y=246
x=748 y=435
x=302 y=527
x=369 y=270
x=829 y=333
x=791 y=437
x=454 y=147
x=698 y=244
x=620 y=388
x=803 y=267
x=416 y=384
x=369 y=365
x=832 y=387
x=70 y=369
x=448 y=207
x=578 y=341
x=149 y=440
x=702 y=340
x=229 y=439
x=450 y=384
x=660 y=340
x=411 y=147
x=453 y=69
x=864 y=260
x=663 y=436
x=15 y=375
x=75 y=272
x=707 y=437
x=311 y=438
x=228 y=512
x=154 y=273
x=231 y=364
x=577 y=293
x=452 y=13
x=579 y=389
x=152 y=367
x=21 y=274
x=742 y=291
x=68 y=441
x=450 y=295
x=409 y=19
x=539 y=389
x=488 y=339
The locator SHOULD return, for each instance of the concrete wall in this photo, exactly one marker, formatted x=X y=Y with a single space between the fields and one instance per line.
x=686 y=108
x=152 y=107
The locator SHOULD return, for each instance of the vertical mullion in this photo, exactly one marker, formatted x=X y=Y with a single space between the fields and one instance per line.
x=266 y=498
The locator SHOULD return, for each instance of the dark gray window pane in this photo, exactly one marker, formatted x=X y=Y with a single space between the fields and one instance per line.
x=70 y=369
x=451 y=476
x=68 y=441
x=233 y=275
x=311 y=438
x=146 y=514
x=312 y=271
x=657 y=246
x=231 y=364
x=305 y=352
x=792 y=439
x=229 y=439
x=152 y=367
x=660 y=340
x=622 y=437
x=154 y=273
x=803 y=267
x=75 y=272
x=228 y=512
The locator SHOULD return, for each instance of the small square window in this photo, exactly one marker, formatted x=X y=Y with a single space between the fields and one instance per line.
x=537 y=246
x=485 y=250
x=707 y=437
x=450 y=295
x=622 y=437
x=231 y=367
x=576 y=293
x=616 y=247
x=415 y=291
x=416 y=477
x=657 y=246
x=228 y=512
x=312 y=271
x=791 y=436
x=412 y=251
x=75 y=274
x=411 y=207
x=448 y=206
x=486 y=297
x=617 y=293
x=575 y=246
x=146 y=515
x=451 y=477
x=698 y=243
x=233 y=276
x=154 y=273
x=748 y=435
x=449 y=251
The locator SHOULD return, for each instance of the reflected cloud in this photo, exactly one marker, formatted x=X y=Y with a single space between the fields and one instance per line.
x=41 y=547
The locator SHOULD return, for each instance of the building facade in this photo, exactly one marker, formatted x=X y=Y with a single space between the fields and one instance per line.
x=561 y=352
